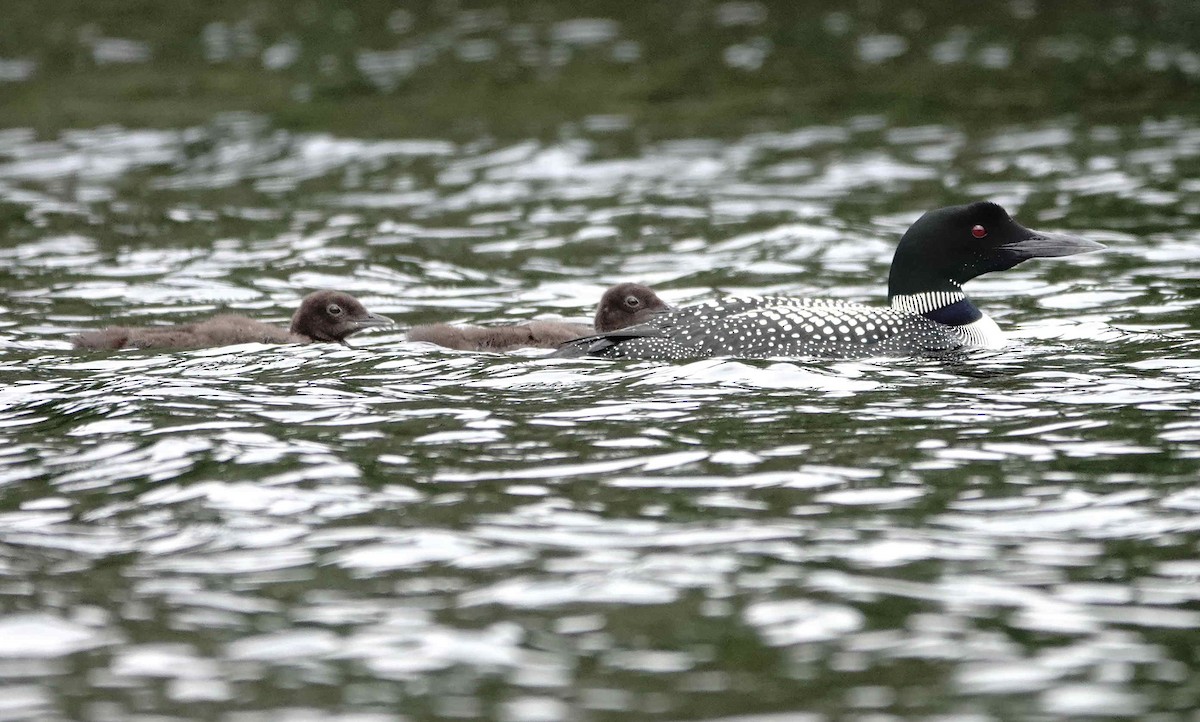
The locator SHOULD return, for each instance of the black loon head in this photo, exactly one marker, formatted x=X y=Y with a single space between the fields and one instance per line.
x=332 y=316
x=627 y=304
x=947 y=247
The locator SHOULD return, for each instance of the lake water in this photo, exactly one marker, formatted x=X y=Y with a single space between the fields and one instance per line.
x=396 y=532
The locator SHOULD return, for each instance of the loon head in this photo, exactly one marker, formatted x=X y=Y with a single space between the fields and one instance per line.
x=332 y=316
x=949 y=246
x=627 y=304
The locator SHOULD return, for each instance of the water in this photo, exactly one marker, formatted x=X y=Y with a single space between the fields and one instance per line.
x=394 y=532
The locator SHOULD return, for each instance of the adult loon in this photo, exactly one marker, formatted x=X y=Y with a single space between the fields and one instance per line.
x=625 y=304
x=328 y=316
x=928 y=312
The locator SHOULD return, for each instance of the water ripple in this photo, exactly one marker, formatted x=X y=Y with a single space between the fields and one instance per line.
x=398 y=527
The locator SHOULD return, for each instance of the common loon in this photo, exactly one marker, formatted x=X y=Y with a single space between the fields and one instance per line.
x=928 y=312
x=622 y=305
x=328 y=316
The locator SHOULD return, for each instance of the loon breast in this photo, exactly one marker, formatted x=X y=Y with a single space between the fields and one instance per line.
x=774 y=326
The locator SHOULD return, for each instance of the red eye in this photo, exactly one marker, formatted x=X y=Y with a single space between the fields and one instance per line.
x=979 y=232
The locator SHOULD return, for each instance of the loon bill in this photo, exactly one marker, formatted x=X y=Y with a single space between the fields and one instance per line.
x=928 y=311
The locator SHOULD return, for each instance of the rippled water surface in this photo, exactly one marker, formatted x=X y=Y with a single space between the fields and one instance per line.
x=392 y=531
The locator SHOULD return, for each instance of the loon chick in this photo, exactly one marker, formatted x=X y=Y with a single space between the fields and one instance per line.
x=328 y=316
x=928 y=313
x=625 y=304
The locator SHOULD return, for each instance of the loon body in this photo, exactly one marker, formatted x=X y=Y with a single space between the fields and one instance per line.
x=625 y=304
x=323 y=316
x=928 y=311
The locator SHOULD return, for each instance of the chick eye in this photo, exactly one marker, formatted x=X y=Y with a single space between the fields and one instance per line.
x=633 y=301
x=333 y=309
x=979 y=232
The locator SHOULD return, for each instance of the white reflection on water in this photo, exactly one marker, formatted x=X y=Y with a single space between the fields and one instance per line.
x=42 y=635
x=800 y=621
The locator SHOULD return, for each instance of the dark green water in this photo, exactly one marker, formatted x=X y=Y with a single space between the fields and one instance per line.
x=393 y=532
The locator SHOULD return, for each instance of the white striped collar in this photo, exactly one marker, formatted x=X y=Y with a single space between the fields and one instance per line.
x=922 y=303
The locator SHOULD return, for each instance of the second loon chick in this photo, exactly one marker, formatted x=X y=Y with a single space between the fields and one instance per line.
x=328 y=316
x=625 y=304
x=928 y=312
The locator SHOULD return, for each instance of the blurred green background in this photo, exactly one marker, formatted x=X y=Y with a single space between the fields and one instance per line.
x=519 y=69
